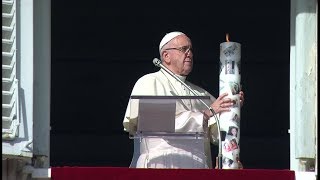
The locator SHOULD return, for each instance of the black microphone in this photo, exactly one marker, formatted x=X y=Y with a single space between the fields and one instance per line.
x=157 y=62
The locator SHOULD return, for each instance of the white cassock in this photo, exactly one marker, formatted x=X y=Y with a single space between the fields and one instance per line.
x=159 y=152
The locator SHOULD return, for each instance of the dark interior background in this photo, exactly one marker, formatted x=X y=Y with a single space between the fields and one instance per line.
x=100 y=48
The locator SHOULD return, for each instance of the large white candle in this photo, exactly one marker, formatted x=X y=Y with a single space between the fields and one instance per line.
x=230 y=55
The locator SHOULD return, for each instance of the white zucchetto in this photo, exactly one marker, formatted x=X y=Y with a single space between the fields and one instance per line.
x=168 y=37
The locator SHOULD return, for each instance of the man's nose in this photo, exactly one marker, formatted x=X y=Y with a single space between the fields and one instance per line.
x=189 y=53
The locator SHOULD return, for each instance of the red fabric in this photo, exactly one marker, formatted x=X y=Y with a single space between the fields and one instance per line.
x=115 y=173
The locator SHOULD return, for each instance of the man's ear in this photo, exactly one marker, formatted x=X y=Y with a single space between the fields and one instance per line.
x=165 y=57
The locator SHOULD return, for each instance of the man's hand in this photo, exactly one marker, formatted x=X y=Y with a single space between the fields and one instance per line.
x=222 y=104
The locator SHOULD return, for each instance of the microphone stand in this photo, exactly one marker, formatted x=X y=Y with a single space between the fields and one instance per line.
x=157 y=62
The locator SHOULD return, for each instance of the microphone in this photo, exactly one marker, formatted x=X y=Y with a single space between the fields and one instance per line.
x=157 y=62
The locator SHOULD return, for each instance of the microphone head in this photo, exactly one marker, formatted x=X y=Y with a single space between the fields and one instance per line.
x=156 y=62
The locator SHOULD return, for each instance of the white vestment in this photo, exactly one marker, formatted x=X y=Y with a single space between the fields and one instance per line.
x=159 y=152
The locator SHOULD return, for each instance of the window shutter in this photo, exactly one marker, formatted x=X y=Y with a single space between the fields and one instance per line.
x=10 y=104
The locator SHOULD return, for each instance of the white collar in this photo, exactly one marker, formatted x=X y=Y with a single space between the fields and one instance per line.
x=182 y=78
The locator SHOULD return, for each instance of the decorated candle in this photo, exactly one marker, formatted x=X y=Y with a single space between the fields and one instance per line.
x=230 y=76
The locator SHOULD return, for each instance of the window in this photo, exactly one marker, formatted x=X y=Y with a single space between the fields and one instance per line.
x=10 y=115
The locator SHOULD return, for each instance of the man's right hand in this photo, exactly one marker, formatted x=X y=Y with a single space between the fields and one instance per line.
x=222 y=104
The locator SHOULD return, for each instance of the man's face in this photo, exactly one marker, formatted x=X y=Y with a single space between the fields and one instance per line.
x=180 y=56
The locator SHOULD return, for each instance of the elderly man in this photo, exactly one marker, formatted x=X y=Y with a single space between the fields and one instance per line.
x=176 y=54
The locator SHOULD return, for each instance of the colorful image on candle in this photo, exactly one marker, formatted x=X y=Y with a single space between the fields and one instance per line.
x=235 y=88
x=226 y=146
x=230 y=67
x=227 y=162
x=230 y=143
x=234 y=144
x=235 y=119
x=233 y=131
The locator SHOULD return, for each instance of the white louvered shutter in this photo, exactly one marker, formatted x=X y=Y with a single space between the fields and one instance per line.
x=10 y=115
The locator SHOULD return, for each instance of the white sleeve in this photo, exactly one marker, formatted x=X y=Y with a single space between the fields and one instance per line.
x=146 y=85
x=189 y=121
